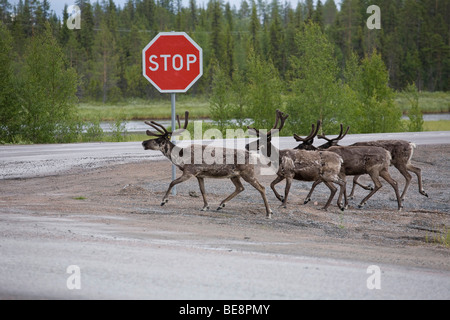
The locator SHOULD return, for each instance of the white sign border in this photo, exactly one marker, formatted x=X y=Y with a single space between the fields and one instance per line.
x=173 y=34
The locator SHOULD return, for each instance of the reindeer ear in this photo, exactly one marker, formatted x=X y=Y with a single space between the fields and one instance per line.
x=178 y=132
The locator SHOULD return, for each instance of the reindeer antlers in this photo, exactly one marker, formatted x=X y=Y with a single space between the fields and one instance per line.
x=312 y=134
x=162 y=131
x=280 y=116
x=339 y=137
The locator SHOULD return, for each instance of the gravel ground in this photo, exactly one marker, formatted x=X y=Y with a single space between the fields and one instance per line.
x=122 y=201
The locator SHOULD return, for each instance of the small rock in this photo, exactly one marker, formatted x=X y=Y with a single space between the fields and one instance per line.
x=193 y=194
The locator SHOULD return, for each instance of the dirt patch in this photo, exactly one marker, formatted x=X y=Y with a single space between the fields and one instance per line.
x=418 y=236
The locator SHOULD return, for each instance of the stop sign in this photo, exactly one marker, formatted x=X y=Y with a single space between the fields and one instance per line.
x=172 y=62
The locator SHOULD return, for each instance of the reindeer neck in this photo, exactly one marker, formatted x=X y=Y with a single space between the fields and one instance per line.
x=167 y=150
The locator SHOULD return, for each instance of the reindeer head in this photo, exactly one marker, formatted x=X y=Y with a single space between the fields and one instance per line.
x=333 y=142
x=162 y=141
x=255 y=145
x=307 y=143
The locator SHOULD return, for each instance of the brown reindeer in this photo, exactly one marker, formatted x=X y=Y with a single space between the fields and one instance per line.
x=401 y=152
x=362 y=159
x=317 y=166
x=183 y=158
x=374 y=161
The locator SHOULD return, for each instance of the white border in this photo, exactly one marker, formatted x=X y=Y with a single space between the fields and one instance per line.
x=173 y=34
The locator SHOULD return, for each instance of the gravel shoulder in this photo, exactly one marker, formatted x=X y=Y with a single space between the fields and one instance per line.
x=119 y=205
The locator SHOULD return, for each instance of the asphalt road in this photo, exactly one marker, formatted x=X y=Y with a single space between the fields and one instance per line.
x=20 y=161
x=117 y=262
x=113 y=258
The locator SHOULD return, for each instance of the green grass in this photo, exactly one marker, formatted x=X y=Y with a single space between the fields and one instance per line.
x=139 y=109
x=198 y=107
x=441 y=125
x=443 y=238
x=429 y=102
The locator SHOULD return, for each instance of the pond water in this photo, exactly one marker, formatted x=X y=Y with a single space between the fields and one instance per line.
x=140 y=126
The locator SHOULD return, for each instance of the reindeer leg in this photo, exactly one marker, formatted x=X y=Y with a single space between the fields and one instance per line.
x=308 y=197
x=355 y=179
x=378 y=185
x=355 y=182
x=181 y=179
x=408 y=177
x=201 y=183
x=239 y=188
x=272 y=185
x=418 y=173
x=342 y=186
x=386 y=176
x=333 y=190
x=255 y=183
x=286 y=191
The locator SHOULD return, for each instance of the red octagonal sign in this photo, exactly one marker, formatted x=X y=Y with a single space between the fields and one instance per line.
x=172 y=62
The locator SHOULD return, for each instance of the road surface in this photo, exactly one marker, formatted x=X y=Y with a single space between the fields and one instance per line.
x=48 y=252
x=20 y=161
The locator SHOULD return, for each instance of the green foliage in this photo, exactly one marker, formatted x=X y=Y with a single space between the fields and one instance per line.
x=331 y=74
x=221 y=99
x=415 y=114
x=47 y=88
x=264 y=90
x=256 y=95
x=9 y=114
x=317 y=92
x=38 y=101
x=379 y=112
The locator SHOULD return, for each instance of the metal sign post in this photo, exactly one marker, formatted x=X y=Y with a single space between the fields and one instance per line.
x=172 y=62
x=174 y=140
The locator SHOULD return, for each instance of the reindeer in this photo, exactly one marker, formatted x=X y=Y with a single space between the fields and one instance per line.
x=180 y=157
x=318 y=166
x=401 y=152
x=359 y=160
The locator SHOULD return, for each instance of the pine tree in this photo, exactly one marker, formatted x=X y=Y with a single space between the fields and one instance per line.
x=104 y=82
x=349 y=27
x=329 y=13
x=317 y=17
x=216 y=39
x=5 y=11
x=254 y=29
x=276 y=44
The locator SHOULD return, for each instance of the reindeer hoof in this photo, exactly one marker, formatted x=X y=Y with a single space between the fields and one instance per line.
x=164 y=202
x=221 y=206
x=425 y=194
x=307 y=200
x=205 y=208
x=361 y=205
x=269 y=215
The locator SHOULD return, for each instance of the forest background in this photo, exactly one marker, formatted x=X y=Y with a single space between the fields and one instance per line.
x=314 y=61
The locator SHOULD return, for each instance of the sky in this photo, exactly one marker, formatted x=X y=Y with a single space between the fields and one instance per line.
x=58 y=5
